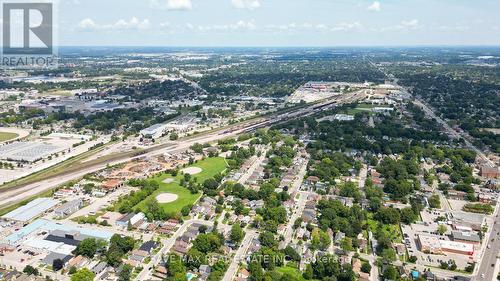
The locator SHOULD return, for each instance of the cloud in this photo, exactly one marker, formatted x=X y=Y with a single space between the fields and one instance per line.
x=246 y=4
x=407 y=25
x=411 y=23
x=240 y=25
x=171 y=4
x=375 y=6
x=133 y=23
x=347 y=26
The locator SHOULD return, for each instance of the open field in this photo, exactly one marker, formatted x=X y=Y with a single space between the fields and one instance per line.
x=292 y=271
x=393 y=231
x=209 y=166
x=6 y=136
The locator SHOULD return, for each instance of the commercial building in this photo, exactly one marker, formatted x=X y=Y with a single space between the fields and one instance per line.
x=490 y=172
x=154 y=131
x=433 y=245
x=465 y=237
x=28 y=151
x=31 y=210
x=54 y=228
x=429 y=244
x=457 y=247
x=68 y=208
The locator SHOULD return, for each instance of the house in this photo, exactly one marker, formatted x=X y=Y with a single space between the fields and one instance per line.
x=243 y=273
x=124 y=220
x=99 y=268
x=339 y=237
x=138 y=255
x=356 y=265
x=111 y=185
x=78 y=261
x=256 y=204
x=131 y=219
x=160 y=272
x=309 y=215
x=204 y=271
x=68 y=208
x=457 y=195
x=400 y=248
x=181 y=247
x=148 y=246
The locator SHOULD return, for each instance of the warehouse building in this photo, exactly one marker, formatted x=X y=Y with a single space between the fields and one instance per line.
x=153 y=132
x=28 y=151
x=31 y=210
x=68 y=208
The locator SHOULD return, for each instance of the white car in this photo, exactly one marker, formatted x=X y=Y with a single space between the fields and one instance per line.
x=482 y=275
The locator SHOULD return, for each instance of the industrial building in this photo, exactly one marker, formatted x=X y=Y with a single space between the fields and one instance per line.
x=154 y=132
x=28 y=151
x=31 y=210
x=68 y=208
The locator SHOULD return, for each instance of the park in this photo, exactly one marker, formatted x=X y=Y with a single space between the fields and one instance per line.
x=171 y=196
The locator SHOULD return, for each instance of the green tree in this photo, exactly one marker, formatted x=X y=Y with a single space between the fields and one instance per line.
x=30 y=270
x=346 y=244
x=83 y=275
x=442 y=229
x=308 y=273
x=391 y=273
x=434 y=201
x=89 y=246
x=366 y=267
x=57 y=264
x=126 y=273
x=237 y=233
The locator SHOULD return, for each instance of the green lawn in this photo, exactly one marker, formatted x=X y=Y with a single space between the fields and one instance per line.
x=5 y=136
x=292 y=271
x=210 y=167
x=393 y=231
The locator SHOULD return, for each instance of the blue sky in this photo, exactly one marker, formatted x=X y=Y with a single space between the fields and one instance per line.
x=278 y=22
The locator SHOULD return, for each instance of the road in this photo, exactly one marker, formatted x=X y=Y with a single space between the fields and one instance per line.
x=251 y=169
x=240 y=255
x=301 y=204
x=19 y=193
x=491 y=254
x=452 y=132
x=167 y=245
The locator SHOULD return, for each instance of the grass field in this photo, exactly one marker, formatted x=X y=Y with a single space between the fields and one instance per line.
x=393 y=231
x=292 y=271
x=5 y=136
x=209 y=166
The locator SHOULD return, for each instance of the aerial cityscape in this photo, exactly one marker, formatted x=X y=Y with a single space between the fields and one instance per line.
x=174 y=146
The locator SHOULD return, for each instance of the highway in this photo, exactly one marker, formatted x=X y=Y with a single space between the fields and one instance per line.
x=18 y=193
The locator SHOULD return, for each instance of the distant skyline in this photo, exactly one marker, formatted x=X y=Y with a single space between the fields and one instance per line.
x=279 y=23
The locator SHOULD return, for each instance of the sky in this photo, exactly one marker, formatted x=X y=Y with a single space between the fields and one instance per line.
x=300 y=23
